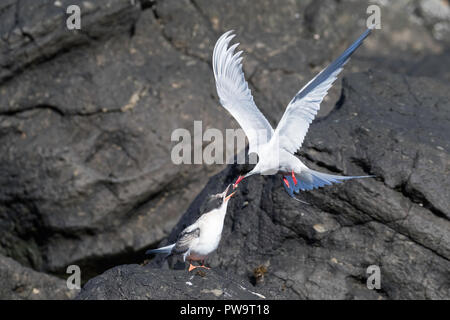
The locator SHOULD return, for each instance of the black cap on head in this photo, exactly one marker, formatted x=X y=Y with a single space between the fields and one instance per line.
x=213 y=202
x=249 y=164
x=243 y=169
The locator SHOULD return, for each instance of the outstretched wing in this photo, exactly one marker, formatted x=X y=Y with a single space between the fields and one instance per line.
x=302 y=109
x=235 y=95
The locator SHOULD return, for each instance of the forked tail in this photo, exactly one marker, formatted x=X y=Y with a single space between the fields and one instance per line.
x=311 y=179
x=166 y=249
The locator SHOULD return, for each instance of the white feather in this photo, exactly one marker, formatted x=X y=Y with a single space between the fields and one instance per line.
x=235 y=95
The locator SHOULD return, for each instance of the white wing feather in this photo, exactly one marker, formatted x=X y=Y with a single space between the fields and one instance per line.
x=235 y=95
x=295 y=122
x=302 y=109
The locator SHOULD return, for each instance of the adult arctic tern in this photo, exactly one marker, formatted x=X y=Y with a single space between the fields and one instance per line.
x=202 y=237
x=276 y=148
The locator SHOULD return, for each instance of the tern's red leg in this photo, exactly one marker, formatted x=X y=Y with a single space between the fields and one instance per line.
x=286 y=182
x=203 y=265
x=293 y=177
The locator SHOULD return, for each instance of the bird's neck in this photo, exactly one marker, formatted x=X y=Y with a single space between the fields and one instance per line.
x=222 y=211
x=254 y=171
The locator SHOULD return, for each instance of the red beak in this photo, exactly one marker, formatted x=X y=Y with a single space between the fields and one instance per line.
x=237 y=182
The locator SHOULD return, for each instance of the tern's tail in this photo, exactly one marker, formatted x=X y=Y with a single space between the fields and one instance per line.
x=166 y=249
x=310 y=179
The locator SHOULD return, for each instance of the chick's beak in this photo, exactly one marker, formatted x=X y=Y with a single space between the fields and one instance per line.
x=229 y=196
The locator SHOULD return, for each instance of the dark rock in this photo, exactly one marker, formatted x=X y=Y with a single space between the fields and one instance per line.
x=19 y=282
x=86 y=116
x=391 y=126
x=432 y=66
x=138 y=282
x=86 y=158
x=287 y=43
x=35 y=31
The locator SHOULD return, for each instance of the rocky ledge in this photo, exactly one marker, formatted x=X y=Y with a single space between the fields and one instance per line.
x=141 y=282
x=390 y=126
x=86 y=118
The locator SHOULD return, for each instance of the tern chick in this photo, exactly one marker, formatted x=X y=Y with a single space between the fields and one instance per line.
x=202 y=237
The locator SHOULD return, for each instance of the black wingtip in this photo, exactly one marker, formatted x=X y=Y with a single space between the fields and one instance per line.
x=336 y=64
x=366 y=34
